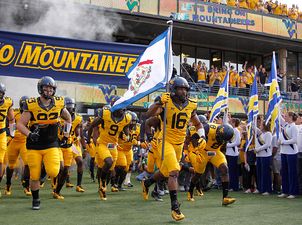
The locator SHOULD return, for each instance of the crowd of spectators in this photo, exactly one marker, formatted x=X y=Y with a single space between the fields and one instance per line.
x=239 y=82
x=271 y=7
x=214 y=76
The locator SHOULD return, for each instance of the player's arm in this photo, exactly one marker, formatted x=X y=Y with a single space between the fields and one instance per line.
x=22 y=123
x=197 y=124
x=154 y=110
x=80 y=132
x=187 y=140
x=126 y=133
x=151 y=122
x=11 y=121
x=157 y=107
x=93 y=128
x=65 y=115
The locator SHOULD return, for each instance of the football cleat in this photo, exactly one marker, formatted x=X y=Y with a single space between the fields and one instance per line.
x=199 y=193
x=57 y=196
x=8 y=190
x=145 y=191
x=120 y=188
x=228 y=200
x=190 y=197
x=27 y=191
x=69 y=185
x=156 y=196
x=80 y=189
x=114 y=189
x=130 y=185
x=36 y=204
x=177 y=215
x=102 y=193
x=42 y=184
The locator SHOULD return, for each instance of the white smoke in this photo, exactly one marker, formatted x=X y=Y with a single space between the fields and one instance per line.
x=61 y=18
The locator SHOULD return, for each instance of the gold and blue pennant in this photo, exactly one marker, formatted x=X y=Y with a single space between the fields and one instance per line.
x=274 y=100
x=221 y=101
x=253 y=111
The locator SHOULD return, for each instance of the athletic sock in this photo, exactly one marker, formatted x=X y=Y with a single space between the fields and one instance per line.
x=35 y=194
x=225 y=189
x=149 y=181
x=79 y=178
x=9 y=175
x=173 y=198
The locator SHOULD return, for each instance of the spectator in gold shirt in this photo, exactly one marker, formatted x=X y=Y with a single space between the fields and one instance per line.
x=222 y=73
x=252 y=4
x=201 y=72
x=249 y=75
x=243 y=4
x=277 y=8
x=293 y=13
x=234 y=76
x=242 y=80
x=284 y=10
x=232 y=3
x=215 y=79
x=216 y=1
x=233 y=80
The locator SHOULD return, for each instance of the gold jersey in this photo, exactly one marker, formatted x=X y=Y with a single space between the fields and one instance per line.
x=178 y=118
x=134 y=137
x=45 y=121
x=231 y=3
x=76 y=120
x=110 y=129
x=18 y=135
x=212 y=144
x=7 y=103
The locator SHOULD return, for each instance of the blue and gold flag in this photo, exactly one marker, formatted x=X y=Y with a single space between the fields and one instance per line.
x=274 y=99
x=253 y=110
x=221 y=101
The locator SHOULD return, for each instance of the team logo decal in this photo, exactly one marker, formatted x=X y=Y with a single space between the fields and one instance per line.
x=290 y=26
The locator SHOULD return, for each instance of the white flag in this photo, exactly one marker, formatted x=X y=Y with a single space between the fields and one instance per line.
x=150 y=72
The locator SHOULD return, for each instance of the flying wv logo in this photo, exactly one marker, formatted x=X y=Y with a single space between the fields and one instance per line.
x=131 y=4
x=245 y=103
x=107 y=92
x=290 y=26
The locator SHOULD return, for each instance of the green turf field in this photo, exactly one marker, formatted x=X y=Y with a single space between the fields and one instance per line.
x=128 y=208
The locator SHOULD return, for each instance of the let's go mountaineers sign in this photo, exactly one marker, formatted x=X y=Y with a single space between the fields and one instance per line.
x=34 y=56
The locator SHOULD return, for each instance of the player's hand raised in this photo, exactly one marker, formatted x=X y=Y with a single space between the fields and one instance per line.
x=165 y=98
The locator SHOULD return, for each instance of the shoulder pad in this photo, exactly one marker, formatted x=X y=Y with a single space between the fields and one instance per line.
x=79 y=116
x=31 y=100
x=192 y=100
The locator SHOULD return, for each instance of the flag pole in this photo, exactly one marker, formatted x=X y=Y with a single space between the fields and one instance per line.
x=170 y=23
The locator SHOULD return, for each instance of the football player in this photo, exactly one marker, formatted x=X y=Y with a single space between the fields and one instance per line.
x=17 y=147
x=43 y=114
x=6 y=112
x=125 y=152
x=179 y=111
x=216 y=136
x=69 y=150
x=106 y=129
x=78 y=142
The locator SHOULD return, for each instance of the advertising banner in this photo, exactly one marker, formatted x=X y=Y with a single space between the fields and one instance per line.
x=34 y=56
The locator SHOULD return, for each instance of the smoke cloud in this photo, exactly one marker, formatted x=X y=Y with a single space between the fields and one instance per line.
x=61 y=18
